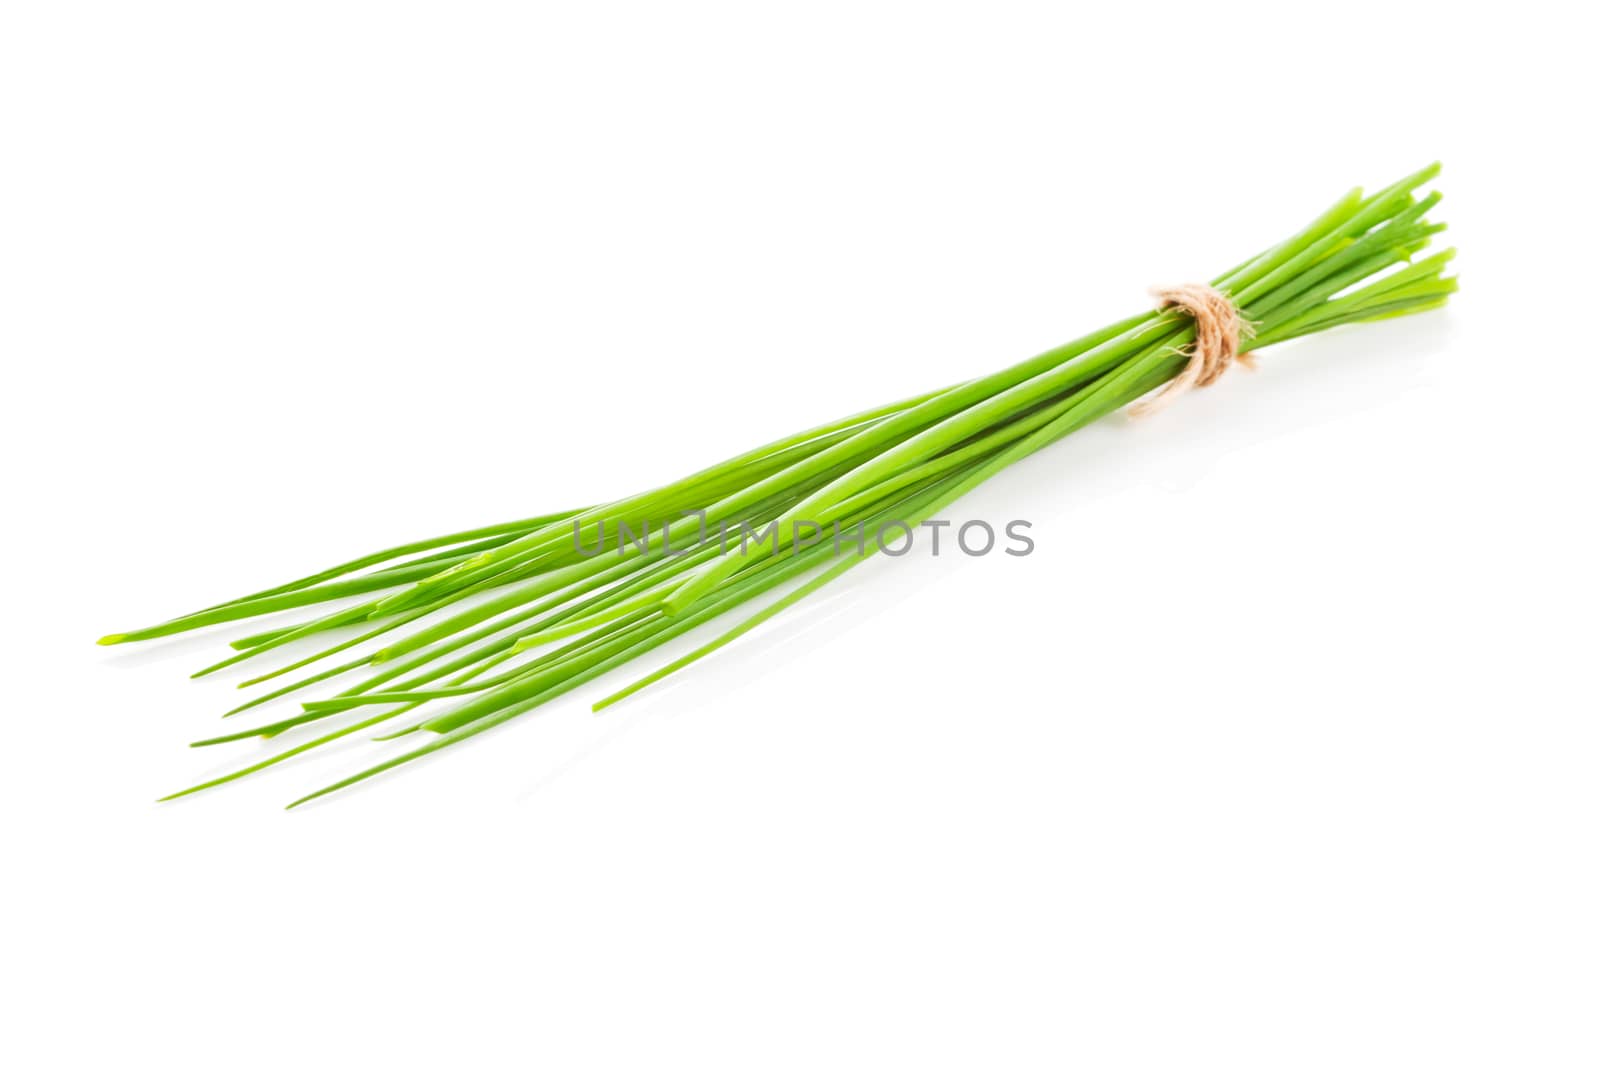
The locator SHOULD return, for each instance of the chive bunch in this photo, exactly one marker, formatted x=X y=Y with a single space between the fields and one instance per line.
x=455 y=635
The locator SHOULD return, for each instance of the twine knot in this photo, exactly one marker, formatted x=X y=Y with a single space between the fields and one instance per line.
x=1217 y=329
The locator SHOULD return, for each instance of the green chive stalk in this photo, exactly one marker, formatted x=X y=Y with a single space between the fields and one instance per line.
x=482 y=626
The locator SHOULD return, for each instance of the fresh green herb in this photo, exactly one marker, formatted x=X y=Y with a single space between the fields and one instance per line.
x=542 y=606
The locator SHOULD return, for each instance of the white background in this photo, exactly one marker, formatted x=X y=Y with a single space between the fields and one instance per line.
x=1281 y=749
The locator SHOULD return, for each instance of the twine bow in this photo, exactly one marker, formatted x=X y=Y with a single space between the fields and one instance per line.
x=1217 y=329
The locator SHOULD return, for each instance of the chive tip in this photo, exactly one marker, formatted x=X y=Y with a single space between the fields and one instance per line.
x=112 y=639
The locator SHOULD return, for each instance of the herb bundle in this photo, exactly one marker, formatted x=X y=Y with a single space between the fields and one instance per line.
x=454 y=635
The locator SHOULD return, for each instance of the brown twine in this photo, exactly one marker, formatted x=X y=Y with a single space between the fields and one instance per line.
x=1217 y=329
